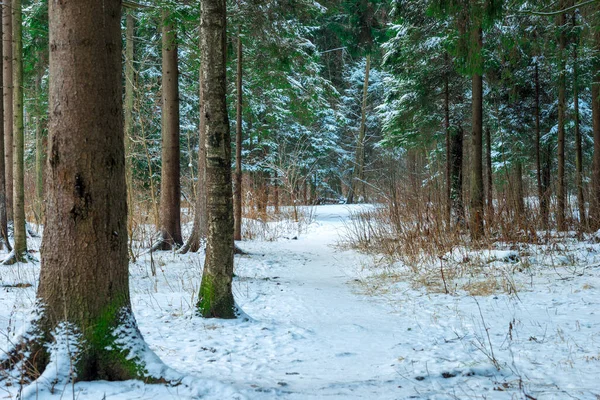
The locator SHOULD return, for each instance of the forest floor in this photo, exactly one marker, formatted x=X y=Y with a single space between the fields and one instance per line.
x=327 y=322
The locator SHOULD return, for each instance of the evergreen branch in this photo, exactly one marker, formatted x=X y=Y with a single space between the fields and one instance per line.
x=552 y=13
x=133 y=5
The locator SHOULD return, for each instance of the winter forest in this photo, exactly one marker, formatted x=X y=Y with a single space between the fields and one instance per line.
x=300 y=199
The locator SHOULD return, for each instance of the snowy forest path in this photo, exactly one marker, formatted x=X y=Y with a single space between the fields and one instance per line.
x=348 y=339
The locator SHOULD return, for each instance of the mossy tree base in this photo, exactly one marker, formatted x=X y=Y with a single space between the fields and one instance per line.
x=104 y=351
x=216 y=298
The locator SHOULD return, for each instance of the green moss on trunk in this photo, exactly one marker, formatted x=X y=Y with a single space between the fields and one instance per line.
x=216 y=300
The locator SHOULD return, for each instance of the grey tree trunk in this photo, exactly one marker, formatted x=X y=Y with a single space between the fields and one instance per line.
x=84 y=280
x=489 y=175
x=128 y=123
x=19 y=253
x=448 y=144
x=456 y=173
x=7 y=78
x=3 y=217
x=170 y=188
x=237 y=192
x=359 y=158
x=39 y=146
x=216 y=297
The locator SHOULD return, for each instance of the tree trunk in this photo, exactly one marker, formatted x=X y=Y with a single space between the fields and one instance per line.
x=578 y=148
x=128 y=124
x=7 y=78
x=562 y=83
x=3 y=218
x=199 y=228
x=476 y=227
x=84 y=281
x=359 y=158
x=538 y=155
x=489 y=176
x=519 y=202
x=39 y=146
x=216 y=297
x=595 y=192
x=448 y=141
x=20 y=232
x=456 y=173
x=170 y=189
x=237 y=194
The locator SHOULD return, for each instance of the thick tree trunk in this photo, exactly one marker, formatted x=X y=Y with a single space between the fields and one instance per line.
x=595 y=192
x=170 y=189
x=3 y=217
x=562 y=83
x=359 y=158
x=7 y=78
x=20 y=232
x=476 y=223
x=237 y=193
x=216 y=297
x=456 y=173
x=578 y=147
x=84 y=281
x=128 y=124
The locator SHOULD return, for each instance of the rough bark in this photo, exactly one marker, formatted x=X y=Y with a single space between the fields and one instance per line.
x=595 y=192
x=7 y=78
x=237 y=191
x=562 y=83
x=476 y=223
x=216 y=297
x=84 y=286
x=3 y=219
x=359 y=157
x=128 y=123
x=170 y=188
x=19 y=253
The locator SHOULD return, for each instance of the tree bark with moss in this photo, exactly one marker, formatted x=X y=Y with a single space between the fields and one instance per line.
x=84 y=280
x=7 y=78
x=216 y=297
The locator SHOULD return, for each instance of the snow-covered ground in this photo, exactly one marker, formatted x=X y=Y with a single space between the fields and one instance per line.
x=319 y=326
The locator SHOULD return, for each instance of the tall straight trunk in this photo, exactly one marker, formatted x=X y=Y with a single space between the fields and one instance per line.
x=216 y=297
x=538 y=155
x=237 y=193
x=20 y=232
x=359 y=157
x=578 y=147
x=199 y=228
x=170 y=188
x=39 y=147
x=7 y=78
x=84 y=283
x=128 y=123
x=3 y=218
x=476 y=226
x=490 y=174
x=562 y=84
x=456 y=173
x=519 y=193
x=448 y=148
x=595 y=192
